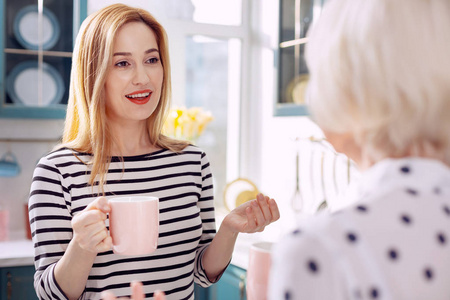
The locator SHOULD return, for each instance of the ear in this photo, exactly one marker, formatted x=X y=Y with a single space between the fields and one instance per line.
x=345 y=143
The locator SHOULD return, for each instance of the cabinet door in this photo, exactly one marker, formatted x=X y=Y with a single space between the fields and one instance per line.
x=295 y=18
x=17 y=283
x=201 y=293
x=231 y=285
x=36 y=44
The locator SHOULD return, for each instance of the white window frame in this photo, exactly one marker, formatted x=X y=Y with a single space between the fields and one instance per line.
x=178 y=31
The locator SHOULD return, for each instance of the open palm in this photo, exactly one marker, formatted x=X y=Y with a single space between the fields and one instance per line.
x=252 y=216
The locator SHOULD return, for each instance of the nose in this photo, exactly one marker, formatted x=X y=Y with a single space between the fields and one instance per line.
x=141 y=77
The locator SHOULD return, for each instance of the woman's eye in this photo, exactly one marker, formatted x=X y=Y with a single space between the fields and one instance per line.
x=122 y=64
x=153 y=60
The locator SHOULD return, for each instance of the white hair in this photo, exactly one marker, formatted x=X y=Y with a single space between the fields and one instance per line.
x=380 y=69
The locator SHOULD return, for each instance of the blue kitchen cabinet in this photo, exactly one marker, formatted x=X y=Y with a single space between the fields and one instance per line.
x=36 y=45
x=231 y=286
x=16 y=283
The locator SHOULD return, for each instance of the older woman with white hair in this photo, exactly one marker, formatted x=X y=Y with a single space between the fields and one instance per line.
x=380 y=90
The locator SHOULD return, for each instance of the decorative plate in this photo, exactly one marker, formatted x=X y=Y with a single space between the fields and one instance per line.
x=296 y=89
x=238 y=192
x=22 y=84
x=26 y=28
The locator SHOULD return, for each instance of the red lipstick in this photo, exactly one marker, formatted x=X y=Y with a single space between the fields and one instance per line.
x=139 y=97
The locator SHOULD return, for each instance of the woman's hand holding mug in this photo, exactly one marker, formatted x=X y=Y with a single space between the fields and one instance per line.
x=89 y=227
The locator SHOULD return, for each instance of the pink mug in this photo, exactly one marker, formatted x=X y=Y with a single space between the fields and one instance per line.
x=134 y=224
x=4 y=225
x=258 y=271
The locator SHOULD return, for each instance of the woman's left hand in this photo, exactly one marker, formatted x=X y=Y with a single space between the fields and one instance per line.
x=252 y=216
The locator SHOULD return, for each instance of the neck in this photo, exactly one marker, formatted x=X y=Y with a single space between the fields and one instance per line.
x=130 y=140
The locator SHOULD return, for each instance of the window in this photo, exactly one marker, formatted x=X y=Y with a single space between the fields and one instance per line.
x=207 y=40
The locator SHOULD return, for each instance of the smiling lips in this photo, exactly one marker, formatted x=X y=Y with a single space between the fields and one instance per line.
x=139 y=97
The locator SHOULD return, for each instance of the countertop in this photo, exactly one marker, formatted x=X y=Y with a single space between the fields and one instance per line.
x=16 y=252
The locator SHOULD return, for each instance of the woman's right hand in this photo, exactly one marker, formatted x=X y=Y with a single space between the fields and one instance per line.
x=89 y=228
x=137 y=293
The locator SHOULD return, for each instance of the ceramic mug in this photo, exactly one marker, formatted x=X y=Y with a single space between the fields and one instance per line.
x=4 y=224
x=258 y=270
x=134 y=224
x=9 y=167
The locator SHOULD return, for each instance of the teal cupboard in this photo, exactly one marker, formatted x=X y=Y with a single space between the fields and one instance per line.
x=37 y=39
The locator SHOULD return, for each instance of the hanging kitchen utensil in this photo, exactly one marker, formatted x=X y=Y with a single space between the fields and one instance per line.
x=9 y=167
x=311 y=174
x=336 y=188
x=323 y=205
x=297 y=199
x=348 y=171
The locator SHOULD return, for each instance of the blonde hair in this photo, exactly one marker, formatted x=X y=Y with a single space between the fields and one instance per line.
x=380 y=69
x=86 y=129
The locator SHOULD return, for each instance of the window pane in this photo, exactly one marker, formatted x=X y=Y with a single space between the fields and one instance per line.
x=206 y=11
x=212 y=82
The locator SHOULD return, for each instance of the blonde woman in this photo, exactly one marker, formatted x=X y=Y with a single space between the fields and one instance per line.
x=380 y=90
x=112 y=145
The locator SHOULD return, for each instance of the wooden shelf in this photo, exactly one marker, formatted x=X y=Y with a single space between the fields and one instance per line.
x=36 y=52
x=293 y=42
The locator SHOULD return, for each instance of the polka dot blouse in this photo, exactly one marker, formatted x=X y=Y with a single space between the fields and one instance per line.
x=393 y=243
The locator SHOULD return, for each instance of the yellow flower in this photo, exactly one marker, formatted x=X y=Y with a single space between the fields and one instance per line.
x=187 y=124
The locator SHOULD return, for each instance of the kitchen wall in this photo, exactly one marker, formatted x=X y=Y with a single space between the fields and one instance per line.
x=20 y=136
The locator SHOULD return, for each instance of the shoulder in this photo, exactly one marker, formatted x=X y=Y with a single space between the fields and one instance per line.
x=63 y=157
x=193 y=151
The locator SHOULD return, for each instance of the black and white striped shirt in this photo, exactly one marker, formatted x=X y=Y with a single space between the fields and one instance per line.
x=183 y=184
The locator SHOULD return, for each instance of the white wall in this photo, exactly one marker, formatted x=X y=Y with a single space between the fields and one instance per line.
x=19 y=136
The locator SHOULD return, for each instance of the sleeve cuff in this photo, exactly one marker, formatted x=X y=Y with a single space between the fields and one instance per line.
x=205 y=280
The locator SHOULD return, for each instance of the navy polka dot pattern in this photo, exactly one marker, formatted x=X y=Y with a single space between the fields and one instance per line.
x=362 y=208
x=393 y=243
x=351 y=237
x=447 y=210
x=374 y=293
x=411 y=191
x=428 y=273
x=406 y=219
x=312 y=266
x=441 y=238
x=393 y=254
x=296 y=231
x=405 y=169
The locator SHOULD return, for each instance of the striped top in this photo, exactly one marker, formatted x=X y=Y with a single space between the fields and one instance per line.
x=183 y=184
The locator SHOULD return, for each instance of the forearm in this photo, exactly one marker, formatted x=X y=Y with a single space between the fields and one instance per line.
x=72 y=270
x=219 y=252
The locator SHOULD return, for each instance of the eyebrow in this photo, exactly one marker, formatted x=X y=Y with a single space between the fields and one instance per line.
x=129 y=53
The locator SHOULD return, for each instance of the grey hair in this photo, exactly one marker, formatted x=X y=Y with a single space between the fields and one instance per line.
x=380 y=69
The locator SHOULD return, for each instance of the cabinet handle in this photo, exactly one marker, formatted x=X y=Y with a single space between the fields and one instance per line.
x=9 y=286
x=242 y=287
